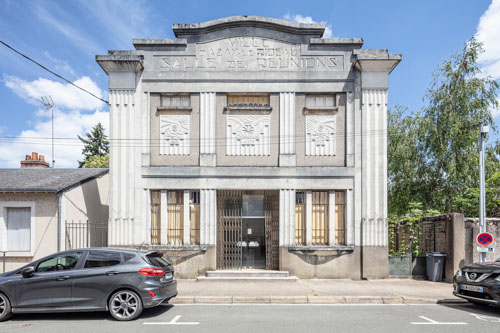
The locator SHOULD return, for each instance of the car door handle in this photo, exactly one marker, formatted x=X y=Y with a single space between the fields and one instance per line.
x=62 y=277
x=112 y=273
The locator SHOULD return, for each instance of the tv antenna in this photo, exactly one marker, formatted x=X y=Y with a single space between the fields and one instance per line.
x=49 y=104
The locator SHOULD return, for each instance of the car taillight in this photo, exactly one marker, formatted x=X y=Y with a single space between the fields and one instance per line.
x=152 y=271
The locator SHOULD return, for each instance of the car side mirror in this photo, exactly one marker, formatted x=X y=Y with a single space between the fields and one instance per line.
x=28 y=271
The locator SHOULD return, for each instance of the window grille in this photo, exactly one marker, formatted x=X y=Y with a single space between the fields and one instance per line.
x=194 y=210
x=319 y=218
x=300 y=220
x=155 y=217
x=175 y=210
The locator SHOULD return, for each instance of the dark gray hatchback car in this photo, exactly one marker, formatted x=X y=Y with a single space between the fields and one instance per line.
x=123 y=282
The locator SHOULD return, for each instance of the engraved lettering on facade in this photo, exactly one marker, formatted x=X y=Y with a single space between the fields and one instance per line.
x=249 y=54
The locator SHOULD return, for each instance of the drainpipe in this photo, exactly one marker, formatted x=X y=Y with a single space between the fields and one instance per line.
x=59 y=221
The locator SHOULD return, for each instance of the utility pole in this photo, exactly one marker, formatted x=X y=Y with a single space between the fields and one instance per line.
x=483 y=131
x=49 y=104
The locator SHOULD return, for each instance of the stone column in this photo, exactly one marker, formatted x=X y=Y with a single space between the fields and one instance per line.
x=187 y=219
x=207 y=128
x=375 y=66
x=332 y=223
x=164 y=217
x=208 y=216
x=309 y=218
x=287 y=217
x=122 y=167
x=287 y=155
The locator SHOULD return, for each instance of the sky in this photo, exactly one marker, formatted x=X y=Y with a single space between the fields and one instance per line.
x=65 y=36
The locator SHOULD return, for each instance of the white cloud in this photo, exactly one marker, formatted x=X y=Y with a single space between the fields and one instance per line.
x=63 y=95
x=67 y=151
x=308 y=19
x=71 y=118
x=60 y=65
x=487 y=33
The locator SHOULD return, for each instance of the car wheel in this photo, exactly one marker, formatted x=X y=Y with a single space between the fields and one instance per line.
x=5 y=310
x=125 y=305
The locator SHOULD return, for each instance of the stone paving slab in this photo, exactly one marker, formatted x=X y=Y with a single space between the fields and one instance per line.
x=317 y=291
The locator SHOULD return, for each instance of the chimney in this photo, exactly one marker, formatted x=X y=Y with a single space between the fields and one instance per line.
x=34 y=161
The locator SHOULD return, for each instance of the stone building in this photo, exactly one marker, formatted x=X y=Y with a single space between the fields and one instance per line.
x=251 y=142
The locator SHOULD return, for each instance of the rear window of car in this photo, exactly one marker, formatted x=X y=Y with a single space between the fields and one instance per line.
x=102 y=259
x=157 y=261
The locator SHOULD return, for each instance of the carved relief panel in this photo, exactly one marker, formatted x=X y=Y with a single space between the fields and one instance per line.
x=247 y=135
x=320 y=135
x=174 y=134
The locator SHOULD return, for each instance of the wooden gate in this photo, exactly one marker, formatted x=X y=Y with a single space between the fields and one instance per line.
x=229 y=229
x=271 y=201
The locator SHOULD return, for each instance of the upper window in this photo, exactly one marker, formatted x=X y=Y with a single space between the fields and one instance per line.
x=18 y=229
x=63 y=262
x=320 y=101
x=102 y=259
x=176 y=101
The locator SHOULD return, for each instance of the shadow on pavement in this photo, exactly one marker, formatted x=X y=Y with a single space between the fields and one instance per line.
x=83 y=316
x=486 y=310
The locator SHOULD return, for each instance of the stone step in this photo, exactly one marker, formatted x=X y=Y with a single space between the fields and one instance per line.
x=247 y=279
x=247 y=273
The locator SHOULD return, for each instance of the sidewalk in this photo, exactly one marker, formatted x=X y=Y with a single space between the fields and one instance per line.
x=314 y=291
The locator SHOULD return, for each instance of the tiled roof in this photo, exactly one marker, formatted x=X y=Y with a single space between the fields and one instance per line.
x=45 y=179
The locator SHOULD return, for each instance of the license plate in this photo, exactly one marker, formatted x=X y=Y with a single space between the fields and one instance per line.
x=471 y=288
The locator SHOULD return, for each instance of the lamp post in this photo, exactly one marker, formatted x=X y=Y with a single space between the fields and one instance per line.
x=483 y=131
x=49 y=104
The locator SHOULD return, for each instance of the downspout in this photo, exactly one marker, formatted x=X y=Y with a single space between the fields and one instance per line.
x=59 y=221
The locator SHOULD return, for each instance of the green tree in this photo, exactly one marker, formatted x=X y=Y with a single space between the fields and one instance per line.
x=95 y=144
x=435 y=151
x=97 y=161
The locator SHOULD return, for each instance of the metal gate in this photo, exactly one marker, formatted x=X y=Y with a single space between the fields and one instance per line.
x=229 y=229
x=271 y=202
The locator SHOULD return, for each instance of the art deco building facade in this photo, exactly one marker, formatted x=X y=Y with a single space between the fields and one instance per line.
x=251 y=142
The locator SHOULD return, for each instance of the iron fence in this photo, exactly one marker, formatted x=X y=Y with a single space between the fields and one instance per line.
x=86 y=234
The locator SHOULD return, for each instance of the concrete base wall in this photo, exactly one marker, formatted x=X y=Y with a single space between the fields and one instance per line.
x=375 y=262
x=321 y=264
x=191 y=264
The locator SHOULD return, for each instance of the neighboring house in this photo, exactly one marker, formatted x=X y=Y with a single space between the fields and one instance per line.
x=251 y=142
x=37 y=203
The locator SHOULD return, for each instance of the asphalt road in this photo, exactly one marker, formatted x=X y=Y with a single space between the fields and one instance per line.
x=272 y=318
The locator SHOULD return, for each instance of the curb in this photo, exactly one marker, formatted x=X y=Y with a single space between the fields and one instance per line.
x=311 y=300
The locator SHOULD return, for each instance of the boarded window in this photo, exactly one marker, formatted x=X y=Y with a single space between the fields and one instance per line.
x=176 y=101
x=248 y=99
x=340 y=217
x=19 y=229
x=320 y=218
x=320 y=101
x=194 y=210
x=175 y=209
x=155 y=217
x=300 y=220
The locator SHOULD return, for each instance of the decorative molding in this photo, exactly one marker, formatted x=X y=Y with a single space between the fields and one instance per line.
x=207 y=122
x=247 y=135
x=287 y=123
x=174 y=134
x=320 y=135
x=264 y=109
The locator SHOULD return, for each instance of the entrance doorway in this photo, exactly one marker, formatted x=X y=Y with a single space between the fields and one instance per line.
x=247 y=229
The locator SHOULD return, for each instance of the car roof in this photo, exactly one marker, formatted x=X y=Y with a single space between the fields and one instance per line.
x=107 y=249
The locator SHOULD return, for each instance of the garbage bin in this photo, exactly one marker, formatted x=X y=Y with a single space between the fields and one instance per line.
x=435 y=264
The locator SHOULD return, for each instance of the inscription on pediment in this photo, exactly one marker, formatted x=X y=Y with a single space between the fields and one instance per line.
x=249 y=54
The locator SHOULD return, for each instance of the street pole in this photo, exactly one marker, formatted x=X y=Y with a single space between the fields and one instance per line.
x=482 y=209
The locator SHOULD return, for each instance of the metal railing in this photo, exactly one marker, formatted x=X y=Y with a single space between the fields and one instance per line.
x=86 y=234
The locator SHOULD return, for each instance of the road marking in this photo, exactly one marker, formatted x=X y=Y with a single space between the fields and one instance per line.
x=433 y=322
x=173 y=322
x=490 y=319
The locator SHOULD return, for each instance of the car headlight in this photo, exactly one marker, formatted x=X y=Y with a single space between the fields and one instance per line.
x=497 y=278
x=459 y=273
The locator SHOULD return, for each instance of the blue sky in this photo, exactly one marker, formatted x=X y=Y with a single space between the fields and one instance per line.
x=66 y=36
